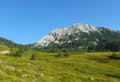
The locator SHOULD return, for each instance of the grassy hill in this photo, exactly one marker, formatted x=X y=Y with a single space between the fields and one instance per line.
x=2 y=48
x=48 y=67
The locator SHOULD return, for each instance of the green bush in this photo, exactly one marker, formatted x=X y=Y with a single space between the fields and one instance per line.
x=33 y=57
x=66 y=54
x=61 y=54
x=114 y=55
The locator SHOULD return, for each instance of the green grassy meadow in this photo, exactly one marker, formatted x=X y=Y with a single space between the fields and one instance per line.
x=2 y=47
x=47 y=67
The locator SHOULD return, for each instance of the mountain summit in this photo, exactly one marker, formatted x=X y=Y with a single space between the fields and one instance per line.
x=78 y=36
x=61 y=35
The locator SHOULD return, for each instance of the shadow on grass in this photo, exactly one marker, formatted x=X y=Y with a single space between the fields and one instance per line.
x=114 y=76
x=105 y=59
x=114 y=58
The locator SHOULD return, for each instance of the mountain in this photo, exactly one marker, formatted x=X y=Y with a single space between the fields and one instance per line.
x=63 y=35
x=78 y=37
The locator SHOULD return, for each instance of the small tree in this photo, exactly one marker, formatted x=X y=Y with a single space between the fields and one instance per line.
x=113 y=55
x=59 y=54
x=15 y=52
x=66 y=54
x=12 y=51
x=19 y=52
x=33 y=57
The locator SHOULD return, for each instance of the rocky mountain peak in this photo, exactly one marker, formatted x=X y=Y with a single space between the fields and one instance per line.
x=63 y=33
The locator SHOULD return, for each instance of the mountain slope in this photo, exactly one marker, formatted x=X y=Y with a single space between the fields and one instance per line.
x=64 y=33
x=78 y=36
x=6 y=42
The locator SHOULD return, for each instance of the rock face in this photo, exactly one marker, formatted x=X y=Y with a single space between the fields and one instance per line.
x=61 y=35
x=79 y=37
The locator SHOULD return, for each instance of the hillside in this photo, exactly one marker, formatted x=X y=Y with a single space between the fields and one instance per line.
x=80 y=37
x=48 y=67
x=6 y=42
x=8 y=45
x=2 y=48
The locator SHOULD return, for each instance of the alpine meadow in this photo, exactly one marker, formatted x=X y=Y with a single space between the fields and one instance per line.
x=79 y=53
x=59 y=41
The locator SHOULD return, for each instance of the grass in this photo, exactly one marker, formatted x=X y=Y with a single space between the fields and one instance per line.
x=46 y=67
x=2 y=48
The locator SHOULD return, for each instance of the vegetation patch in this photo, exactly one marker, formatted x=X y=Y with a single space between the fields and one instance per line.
x=46 y=67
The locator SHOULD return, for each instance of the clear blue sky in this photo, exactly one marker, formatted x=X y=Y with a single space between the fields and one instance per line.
x=27 y=21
